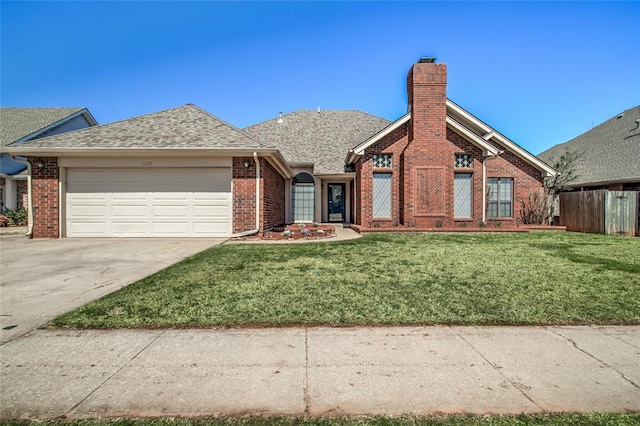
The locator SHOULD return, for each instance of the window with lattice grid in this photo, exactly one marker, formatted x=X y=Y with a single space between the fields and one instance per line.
x=462 y=195
x=463 y=161
x=382 y=161
x=382 y=194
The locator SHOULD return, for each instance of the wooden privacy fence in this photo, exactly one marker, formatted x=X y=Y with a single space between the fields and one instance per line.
x=601 y=212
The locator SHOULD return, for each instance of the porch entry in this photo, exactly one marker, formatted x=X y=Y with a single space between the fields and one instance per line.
x=336 y=201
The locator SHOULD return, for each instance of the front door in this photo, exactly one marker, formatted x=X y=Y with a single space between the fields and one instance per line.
x=336 y=202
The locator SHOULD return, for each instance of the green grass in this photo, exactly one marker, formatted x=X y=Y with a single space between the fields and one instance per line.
x=482 y=279
x=456 y=420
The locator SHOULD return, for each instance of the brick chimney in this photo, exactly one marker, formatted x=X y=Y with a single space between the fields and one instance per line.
x=427 y=97
x=427 y=155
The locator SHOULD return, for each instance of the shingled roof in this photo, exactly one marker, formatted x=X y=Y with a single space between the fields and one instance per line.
x=183 y=127
x=319 y=137
x=609 y=152
x=18 y=123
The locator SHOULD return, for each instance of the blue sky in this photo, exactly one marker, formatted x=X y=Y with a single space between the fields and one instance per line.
x=539 y=72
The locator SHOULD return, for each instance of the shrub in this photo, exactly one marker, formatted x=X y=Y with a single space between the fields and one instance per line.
x=438 y=224
x=482 y=224
x=534 y=209
x=17 y=216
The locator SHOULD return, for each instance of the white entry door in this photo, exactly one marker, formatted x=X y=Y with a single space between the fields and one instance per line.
x=148 y=202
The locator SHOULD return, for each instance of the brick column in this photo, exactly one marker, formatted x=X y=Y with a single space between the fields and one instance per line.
x=46 y=197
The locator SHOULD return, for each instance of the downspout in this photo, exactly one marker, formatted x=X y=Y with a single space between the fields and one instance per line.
x=257 y=228
x=29 y=195
x=484 y=182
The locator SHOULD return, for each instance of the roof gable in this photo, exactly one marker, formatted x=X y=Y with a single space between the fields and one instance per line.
x=19 y=124
x=457 y=120
x=183 y=127
x=318 y=137
x=608 y=153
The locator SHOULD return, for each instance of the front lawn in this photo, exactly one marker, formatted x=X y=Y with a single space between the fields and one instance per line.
x=507 y=279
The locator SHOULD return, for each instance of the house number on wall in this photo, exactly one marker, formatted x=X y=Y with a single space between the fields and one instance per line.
x=146 y=164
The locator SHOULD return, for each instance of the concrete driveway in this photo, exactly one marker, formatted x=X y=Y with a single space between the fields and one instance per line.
x=41 y=279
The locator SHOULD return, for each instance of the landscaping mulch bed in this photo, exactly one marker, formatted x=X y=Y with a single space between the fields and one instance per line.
x=298 y=231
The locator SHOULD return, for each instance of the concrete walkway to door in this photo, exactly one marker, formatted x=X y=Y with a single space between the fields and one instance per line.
x=43 y=278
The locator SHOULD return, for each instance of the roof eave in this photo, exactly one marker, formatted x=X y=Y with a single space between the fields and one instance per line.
x=85 y=112
x=503 y=140
x=469 y=135
x=359 y=149
x=276 y=157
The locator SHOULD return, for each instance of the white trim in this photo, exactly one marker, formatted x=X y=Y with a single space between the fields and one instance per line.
x=503 y=140
x=273 y=155
x=358 y=150
x=457 y=127
x=87 y=115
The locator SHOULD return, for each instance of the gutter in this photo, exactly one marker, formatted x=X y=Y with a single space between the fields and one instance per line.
x=29 y=194
x=257 y=228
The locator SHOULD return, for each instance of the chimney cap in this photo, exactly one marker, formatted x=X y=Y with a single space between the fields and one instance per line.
x=427 y=60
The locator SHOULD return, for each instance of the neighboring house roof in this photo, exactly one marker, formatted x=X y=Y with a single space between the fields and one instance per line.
x=318 y=137
x=609 y=153
x=183 y=127
x=469 y=127
x=18 y=124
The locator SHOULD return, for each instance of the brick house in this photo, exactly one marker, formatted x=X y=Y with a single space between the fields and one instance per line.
x=184 y=172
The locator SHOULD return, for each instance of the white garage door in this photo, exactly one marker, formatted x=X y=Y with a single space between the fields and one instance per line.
x=148 y=203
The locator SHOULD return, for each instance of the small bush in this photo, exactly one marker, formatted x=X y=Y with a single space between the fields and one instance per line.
x=438 y=224
x=482 y=224
x=17 y=217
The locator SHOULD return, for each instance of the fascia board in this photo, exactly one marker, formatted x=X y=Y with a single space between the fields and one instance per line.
x=503 y=140
x=135 y=152
x=471 y=137
x=358 y=150
x=35 y=134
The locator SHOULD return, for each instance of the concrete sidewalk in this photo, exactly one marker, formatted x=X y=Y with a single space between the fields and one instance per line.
x=320 y=371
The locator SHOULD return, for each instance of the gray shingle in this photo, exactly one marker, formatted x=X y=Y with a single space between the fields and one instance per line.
x=610 y=151
x=183 y=127
x=323 y=138
x=16 y=123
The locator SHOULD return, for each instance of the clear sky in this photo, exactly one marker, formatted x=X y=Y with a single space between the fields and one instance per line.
x=539 y=72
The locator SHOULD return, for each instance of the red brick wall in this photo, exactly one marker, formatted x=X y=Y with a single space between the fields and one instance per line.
x=526 y=179
x=423 y=153
x=272 y=201
x=394 y=144
x=45 y=197
x=272 y=196
x=244 y=195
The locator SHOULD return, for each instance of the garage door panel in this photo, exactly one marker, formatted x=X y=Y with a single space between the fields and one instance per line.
x=148 y=203
x=129 y=211
x=217 y=212
x=129 y=228
x=88 y=210
x=170 y=211
x=178 y=229
x=88 y=228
